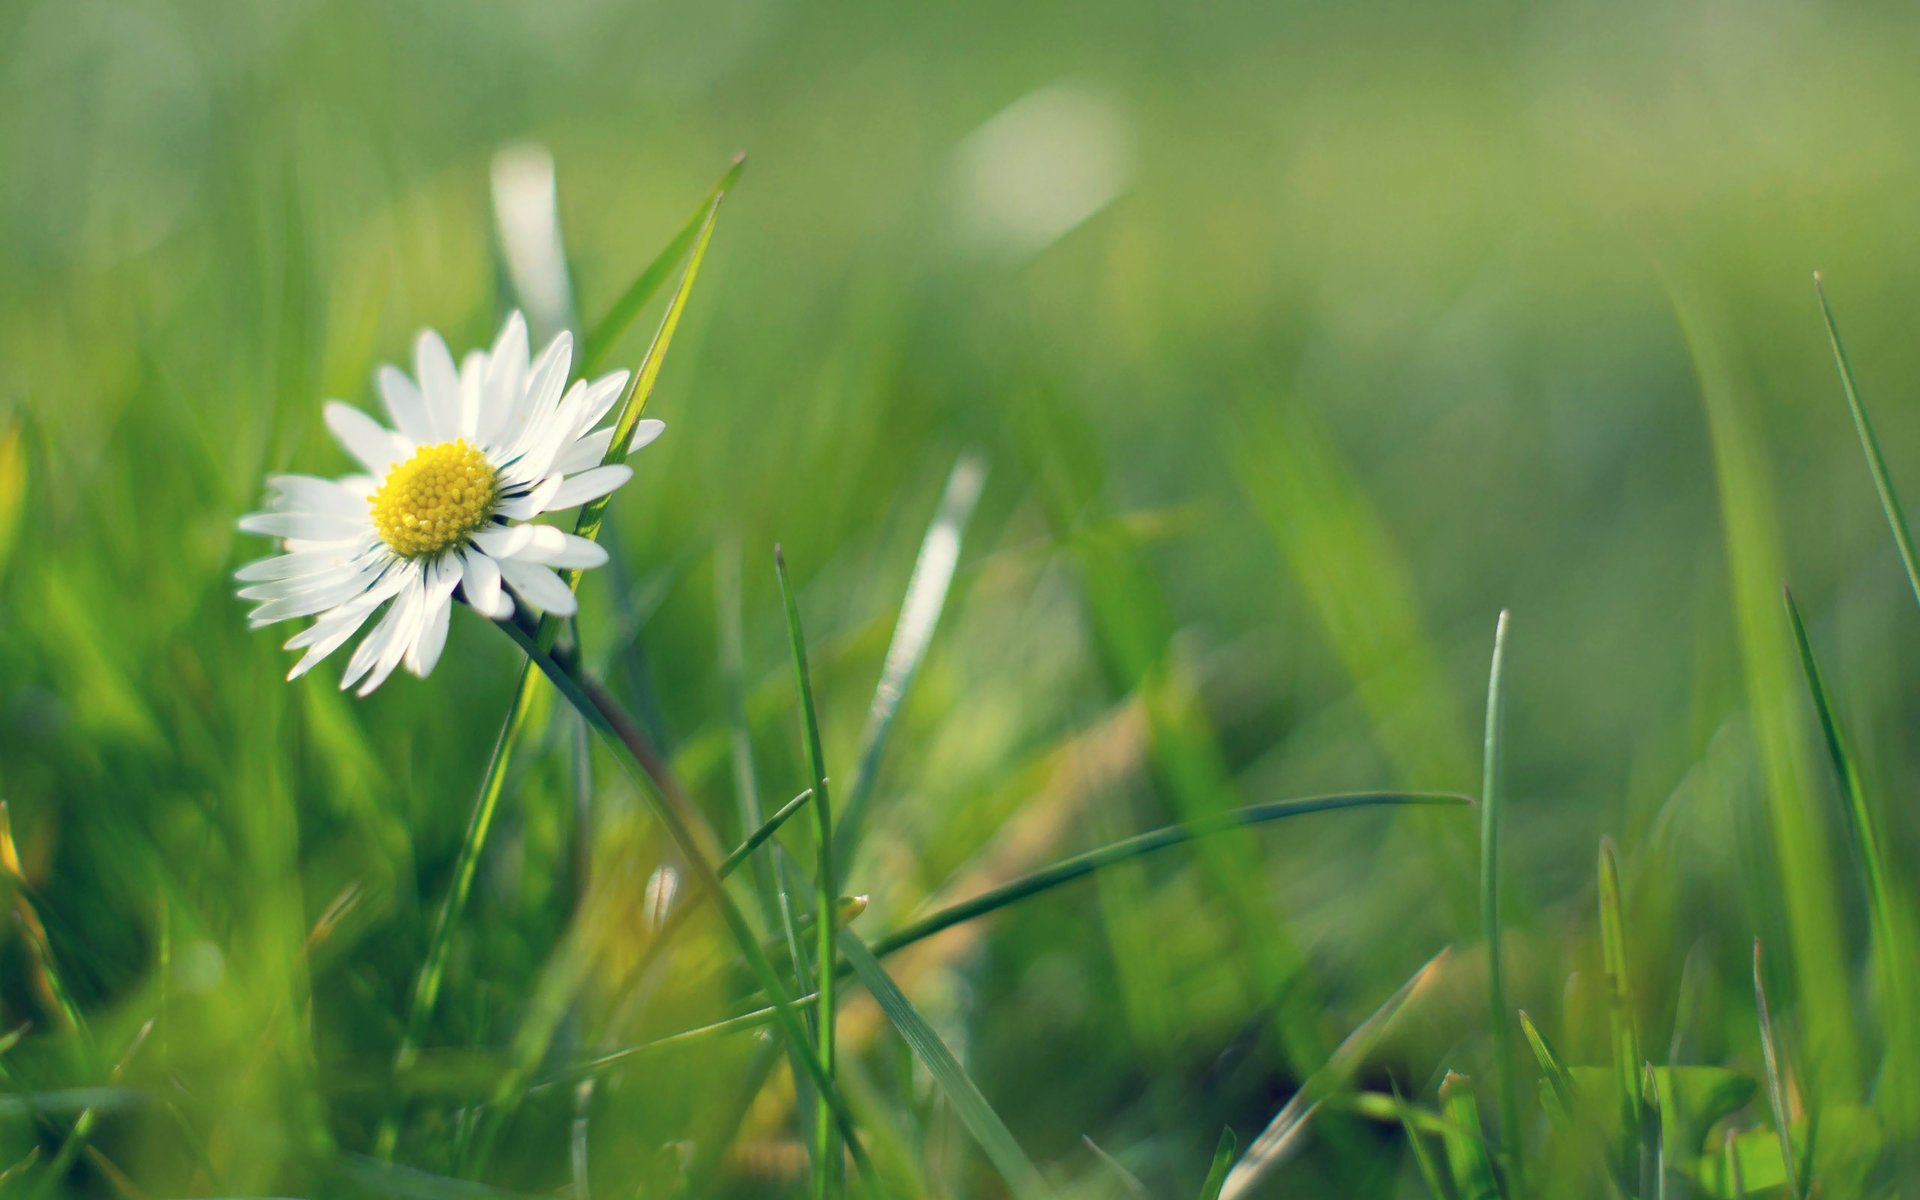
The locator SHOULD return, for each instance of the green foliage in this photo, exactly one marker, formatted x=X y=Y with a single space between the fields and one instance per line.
x=1370 y=334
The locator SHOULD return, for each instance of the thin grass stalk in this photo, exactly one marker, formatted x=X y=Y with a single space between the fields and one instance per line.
x=1492 y=799
x=827 y=893
x=1870 y=445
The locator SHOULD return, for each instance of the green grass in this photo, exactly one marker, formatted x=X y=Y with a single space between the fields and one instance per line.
x=1145 y=573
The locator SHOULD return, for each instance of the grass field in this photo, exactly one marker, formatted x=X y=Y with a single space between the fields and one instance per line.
x=1157 y=407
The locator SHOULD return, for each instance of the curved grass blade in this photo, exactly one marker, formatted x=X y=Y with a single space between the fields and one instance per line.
x=600 y=342
x=1492 y=798
x=992 y=1134
x=1776 y=1091
x=1222 y=1163
x=927 y=588
x=1082 y=865
x=827 y=895
x=1870 y=445
x=1282 y=1134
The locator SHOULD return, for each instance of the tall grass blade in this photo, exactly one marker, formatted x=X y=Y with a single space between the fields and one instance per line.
x=1870 y=445
x=1624 y=1034
x=1891 y=928
x=1808 y=899
x=1222 y=1163
x=979 y=1118
x=1492 y=799
x=1776 y=1087
x=1282 y=1135
x=927 y=588
x=601 y=340
x=826 y=883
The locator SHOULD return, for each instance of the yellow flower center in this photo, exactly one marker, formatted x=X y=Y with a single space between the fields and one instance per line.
x=434 y=500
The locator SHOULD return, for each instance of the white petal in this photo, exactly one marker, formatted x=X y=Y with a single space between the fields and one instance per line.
x=542 y=396
x=307 y=493
x=589 y=451
x=376 y=446
x=473 y=383
x=327 y=635
x=533 y=503
x=439 y=384
x=442 y=577
x=539 y=587
x=588 y=485
x=480 y=583
x=644 y=433
x=405 y=405
x=313 y=527
x=600 y=397
x=288 y=566
x=542 y=445
x=374 y=645
x=504 y=541
x=557 y=548
x=505 y=381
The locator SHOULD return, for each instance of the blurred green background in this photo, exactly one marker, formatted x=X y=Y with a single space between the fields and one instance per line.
x=1297 y=340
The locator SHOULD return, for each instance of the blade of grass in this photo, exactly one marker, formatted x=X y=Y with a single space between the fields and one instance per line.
x=680 y=824
x=1776 y=1090
x=1557 y=1096
x=426 y=989
x=1282 y=1134
x=1870 y=445
x=1492 y=799
x=827 y=885
x=1624 y=1034
x=1466 y=1143
x=1808 y=899
x=600 y=341
x=1900 y=1014
x=979 y=1118
x=927 y=588
x=1222 y=1163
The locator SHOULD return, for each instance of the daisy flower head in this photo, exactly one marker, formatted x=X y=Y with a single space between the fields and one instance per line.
x=446 y=508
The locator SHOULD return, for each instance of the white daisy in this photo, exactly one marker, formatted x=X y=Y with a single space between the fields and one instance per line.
x=474 y=453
